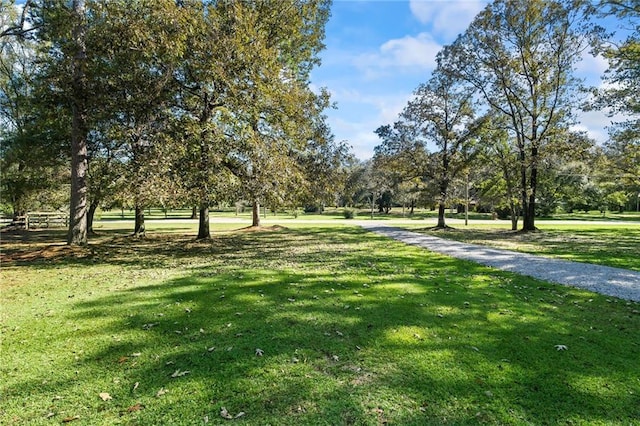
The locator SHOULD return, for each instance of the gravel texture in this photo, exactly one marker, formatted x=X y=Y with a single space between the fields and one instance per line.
x=616 y=282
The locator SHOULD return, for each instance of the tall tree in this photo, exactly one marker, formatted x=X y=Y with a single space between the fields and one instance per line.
x=498 y=177
x=282 y=118
x=520 y=56
x=442 y=112
x=77 y=234
x=134 y=91
x=619 y=96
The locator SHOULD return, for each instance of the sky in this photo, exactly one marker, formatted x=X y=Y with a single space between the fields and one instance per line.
x=379 y=51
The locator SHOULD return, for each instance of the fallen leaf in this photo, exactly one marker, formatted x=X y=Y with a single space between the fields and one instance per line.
x=50 y=414
x=225 y=414
x=561 y=347
x=136 y=407
x=123 y=359
x=240 y=414
x=105 y=396
x=335 y=358
x=211 y=349
x=259 y=352
x=161 y=392
x=135 y=385
x=339 y=333
x=136 y=354
x=70 y=419
x=179 y=373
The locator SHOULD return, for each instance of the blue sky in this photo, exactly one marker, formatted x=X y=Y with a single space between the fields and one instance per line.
x=378 y=51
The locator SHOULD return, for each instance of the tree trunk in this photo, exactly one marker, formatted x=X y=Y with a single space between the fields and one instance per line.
x=444 y=186
x=194 y=212
x=256 y=214
x=514 y=216
x=93 y=206
x=528 y=221
x=77 y=234
x=204 y=231
x=139 y=228
x=441 y=208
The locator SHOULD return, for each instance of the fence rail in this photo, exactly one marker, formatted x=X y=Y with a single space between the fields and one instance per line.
x=34 y=220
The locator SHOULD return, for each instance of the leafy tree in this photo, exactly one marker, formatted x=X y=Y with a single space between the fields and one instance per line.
x=129 y=47
x=498 y=179
x=520 y=56
x=620 y=94
x=31 y=154
x=282 y=118
x=442 y=112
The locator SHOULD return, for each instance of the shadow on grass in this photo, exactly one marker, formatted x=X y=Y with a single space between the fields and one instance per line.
x=354 y=329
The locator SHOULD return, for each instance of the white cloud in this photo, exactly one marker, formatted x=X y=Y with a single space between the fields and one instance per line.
x=357 y=129
x=448 y=18
x=406 y=54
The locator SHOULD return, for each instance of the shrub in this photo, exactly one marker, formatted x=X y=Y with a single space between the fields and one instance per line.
x=349 y=213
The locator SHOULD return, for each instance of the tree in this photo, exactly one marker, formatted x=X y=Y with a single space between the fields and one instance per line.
x=79 y=128
x=499 y=179
x=442 y=112
x=16 y=26
x=520 y=56
x=620 y=94
x=281 y=118
x=403 y=161
x=135 y=87
x=30 y=151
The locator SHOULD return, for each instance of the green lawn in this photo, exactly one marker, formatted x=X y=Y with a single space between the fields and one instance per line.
x=611 y=245
x=352 y=329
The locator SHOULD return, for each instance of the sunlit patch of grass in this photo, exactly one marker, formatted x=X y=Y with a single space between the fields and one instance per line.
x=352 y=328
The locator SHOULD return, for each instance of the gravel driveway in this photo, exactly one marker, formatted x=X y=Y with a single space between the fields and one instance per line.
x=622 y=283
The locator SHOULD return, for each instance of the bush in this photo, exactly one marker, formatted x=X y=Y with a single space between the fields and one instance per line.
x=349 y=213
x=313 y=208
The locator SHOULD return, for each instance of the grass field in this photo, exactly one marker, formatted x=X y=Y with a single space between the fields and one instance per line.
x=601 y=244
x=300 y=325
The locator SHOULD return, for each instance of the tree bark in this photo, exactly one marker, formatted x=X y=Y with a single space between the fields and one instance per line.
x=441 y=209
x=514 y=216
x=444 y=186
x=93 y=206
x=194 y=212
x=77 y=234
x=204 y=232
x=256 y=214
x=139 y=228
x=528 y=221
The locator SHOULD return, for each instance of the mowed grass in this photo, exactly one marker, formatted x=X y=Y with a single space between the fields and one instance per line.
x=614 y=245
x=310 y=325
